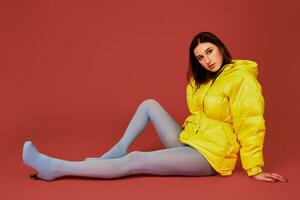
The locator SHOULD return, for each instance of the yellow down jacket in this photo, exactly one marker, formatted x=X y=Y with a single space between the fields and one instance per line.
x=227 y=118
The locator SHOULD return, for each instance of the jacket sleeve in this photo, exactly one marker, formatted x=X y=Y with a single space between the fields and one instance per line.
x=247 y=110
x=194 y=110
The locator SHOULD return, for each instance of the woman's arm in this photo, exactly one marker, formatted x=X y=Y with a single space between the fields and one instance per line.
x=193 y=108
x=247 y=109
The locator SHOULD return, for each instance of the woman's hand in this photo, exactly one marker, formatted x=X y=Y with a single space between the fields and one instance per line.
x=269 y=177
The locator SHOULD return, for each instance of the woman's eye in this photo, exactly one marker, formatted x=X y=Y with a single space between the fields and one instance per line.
x=210 y=51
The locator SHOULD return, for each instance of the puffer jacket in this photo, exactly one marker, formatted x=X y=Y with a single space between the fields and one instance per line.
x=227 y=118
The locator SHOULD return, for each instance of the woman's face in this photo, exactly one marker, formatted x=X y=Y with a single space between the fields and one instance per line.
x=209 y=56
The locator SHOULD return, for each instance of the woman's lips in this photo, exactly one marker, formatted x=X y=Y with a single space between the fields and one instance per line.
x=211 y=66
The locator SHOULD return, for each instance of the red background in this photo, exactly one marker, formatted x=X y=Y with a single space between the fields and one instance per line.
x=72 y=74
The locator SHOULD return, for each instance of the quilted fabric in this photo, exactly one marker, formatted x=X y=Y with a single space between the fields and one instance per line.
x=227 y=118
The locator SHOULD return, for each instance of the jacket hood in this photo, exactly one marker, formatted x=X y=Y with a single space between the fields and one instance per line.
x=244 y=65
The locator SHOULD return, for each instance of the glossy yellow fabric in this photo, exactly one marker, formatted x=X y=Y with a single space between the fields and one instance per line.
x=227 y=118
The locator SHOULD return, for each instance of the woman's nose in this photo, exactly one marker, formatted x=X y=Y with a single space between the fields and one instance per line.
x=207 y=60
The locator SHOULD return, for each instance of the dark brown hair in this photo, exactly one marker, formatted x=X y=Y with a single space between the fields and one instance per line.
x=195 y=69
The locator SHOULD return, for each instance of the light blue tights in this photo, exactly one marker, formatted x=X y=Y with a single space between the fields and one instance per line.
x=176 y=159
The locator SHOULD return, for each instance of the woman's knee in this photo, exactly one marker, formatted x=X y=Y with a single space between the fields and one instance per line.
x=149 y=103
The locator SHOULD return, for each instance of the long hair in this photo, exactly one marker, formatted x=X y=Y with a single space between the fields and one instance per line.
x=195 y=69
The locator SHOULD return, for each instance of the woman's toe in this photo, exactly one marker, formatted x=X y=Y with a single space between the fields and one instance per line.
x=33 y=176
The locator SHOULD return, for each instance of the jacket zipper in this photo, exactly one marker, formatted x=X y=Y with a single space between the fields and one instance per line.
x=211 y=86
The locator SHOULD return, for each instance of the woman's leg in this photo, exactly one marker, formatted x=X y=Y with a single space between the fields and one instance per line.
x=166 y=128
x=184 y=161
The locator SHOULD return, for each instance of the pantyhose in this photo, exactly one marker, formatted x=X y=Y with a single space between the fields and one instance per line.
x=176 y=159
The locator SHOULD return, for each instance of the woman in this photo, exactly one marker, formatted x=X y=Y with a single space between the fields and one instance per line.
x=226 y=105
